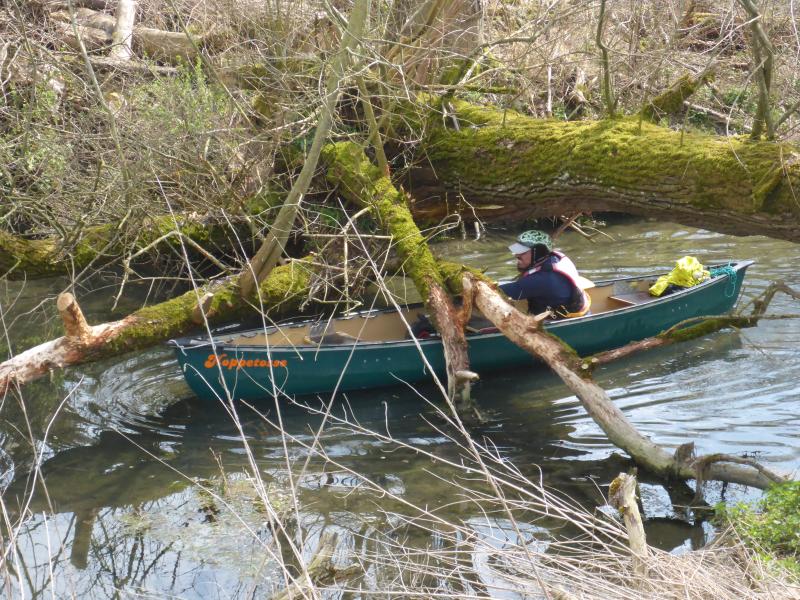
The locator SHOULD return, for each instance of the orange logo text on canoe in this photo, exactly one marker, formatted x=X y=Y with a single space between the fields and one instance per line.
x=241 y=363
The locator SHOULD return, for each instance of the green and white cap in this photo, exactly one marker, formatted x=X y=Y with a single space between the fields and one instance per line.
x=528 y=239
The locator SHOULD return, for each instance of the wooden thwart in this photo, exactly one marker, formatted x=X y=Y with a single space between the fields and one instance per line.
x=632 y=299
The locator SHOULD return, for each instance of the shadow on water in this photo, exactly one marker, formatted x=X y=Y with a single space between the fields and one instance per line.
x=158 y=464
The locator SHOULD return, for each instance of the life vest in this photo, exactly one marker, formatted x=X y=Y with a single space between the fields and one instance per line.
x=564 y=266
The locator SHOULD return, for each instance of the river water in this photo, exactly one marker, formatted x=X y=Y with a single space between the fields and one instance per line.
x=149 y=491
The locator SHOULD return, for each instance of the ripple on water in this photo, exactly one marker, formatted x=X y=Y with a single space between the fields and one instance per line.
x=129 y=393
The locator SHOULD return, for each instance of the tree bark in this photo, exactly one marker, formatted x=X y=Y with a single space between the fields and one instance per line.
x=433 y=38
x=605 y=66
x=763 y=59
x=99 y=5
x=154 y=43
x=122 y=38
x=671 y=101
x=622 y=496
x=23 y=258
x=510 y=167
x=93 y=39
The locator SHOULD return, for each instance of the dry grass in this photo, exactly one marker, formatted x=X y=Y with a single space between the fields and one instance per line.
x=67 y=175
x=184 y=142
x=521 y=539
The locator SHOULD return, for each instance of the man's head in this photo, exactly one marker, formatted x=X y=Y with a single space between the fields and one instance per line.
x=531 y=246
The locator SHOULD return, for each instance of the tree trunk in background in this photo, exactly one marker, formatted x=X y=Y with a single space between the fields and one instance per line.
x=270 y=251
x=431 y=34
x=153 y=43
x=510 y=167
x=763 y=60
x=122 y=38
x=23 y=258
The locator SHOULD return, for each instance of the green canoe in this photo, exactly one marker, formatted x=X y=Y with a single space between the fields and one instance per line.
x=374 y=348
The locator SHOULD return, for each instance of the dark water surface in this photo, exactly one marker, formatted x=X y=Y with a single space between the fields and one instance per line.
x=122 y=445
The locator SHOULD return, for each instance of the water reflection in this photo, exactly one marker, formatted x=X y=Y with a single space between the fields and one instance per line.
x=130 y=455
x=131 y=496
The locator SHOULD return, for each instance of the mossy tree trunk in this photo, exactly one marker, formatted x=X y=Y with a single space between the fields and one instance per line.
x=24 y=258
x=363 y=183
x=281 y=293
x=670 y=101
x=509 y=167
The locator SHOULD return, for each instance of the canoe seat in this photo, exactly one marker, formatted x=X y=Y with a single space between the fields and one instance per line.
x=632 y=298
x=323 y=333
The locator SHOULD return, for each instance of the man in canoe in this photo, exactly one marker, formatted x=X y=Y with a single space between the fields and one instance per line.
x=547 y=279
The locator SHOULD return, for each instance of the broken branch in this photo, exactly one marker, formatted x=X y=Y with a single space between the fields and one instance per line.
x=527 y=333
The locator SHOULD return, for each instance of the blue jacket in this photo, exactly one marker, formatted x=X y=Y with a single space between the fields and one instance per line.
x=545 y=288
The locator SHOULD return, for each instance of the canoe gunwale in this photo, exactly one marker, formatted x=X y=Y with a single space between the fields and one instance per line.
x=193 y=342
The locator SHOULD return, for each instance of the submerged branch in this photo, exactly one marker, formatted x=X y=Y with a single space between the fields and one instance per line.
x=694 y=328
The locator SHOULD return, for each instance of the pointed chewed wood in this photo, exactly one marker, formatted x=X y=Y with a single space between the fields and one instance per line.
x=622 y=496
x=75 y=326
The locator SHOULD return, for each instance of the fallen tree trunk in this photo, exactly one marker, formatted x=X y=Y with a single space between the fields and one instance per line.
x=281 y=293
x=671 y=101
x=153 y=43
x=23 y=258
x=526 y=332
x=99 y=5
x=93 y=39
x=363 y=183
x=509 y=166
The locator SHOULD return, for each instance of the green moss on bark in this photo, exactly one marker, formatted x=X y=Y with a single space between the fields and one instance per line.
x=706 y=327
x=670 y=101
x=24 y=258
x=362 y=183
x=20 y=257
x=618 y=163
x=281 y=293
x=452 y=274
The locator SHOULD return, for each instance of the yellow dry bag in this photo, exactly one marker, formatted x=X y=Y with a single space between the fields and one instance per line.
x=687 y=272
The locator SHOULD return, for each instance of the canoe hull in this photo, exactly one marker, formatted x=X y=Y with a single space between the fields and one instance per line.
x=251 y=372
